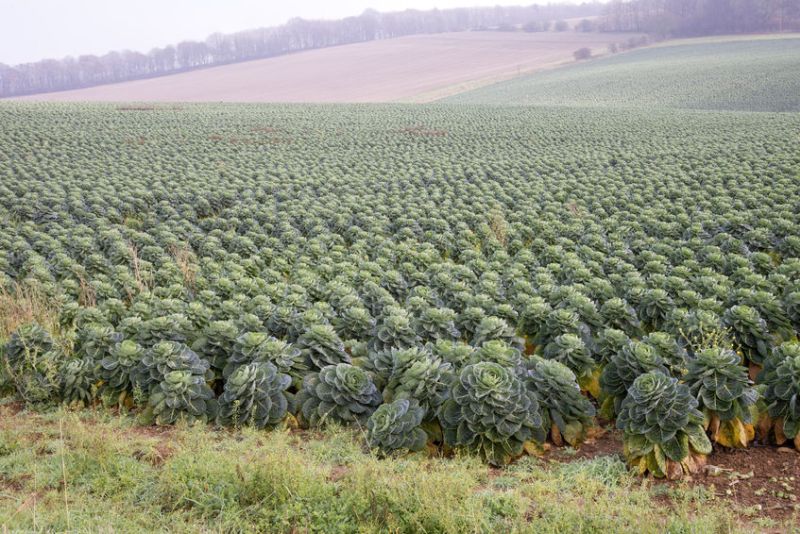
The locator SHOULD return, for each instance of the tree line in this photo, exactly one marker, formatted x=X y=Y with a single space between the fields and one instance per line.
x=296 y=35
x=687 y=18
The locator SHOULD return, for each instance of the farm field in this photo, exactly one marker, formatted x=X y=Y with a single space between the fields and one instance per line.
x=416 y=68
x=439 y=317
x=722 y=73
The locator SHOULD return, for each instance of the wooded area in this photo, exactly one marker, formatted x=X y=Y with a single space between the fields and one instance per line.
x=687 y=18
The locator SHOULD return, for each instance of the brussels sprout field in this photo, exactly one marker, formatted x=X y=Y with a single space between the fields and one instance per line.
x=742 y=73
x=443 y=278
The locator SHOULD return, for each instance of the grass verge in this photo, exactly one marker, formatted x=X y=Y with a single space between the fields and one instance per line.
x=95 y=471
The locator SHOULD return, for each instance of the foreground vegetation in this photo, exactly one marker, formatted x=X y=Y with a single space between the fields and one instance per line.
x=92 y=471
x=471 y=282
x=724 y=73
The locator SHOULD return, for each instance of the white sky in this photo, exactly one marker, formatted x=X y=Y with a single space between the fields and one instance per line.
x=36 y=29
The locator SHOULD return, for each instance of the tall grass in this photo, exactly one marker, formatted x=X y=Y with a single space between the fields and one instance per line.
x=92 y=471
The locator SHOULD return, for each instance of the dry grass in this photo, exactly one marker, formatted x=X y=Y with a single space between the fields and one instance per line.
x=186 y=260
x=25 y=303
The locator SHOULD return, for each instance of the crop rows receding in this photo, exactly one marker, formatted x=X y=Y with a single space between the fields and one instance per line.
x=724 y=73
x=468 y=278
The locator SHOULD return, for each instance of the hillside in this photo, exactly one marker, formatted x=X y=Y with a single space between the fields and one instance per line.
x=416 y=68
x=749 y=74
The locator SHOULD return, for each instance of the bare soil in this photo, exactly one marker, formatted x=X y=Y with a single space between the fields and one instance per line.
x=411 y=69
x=762 y=480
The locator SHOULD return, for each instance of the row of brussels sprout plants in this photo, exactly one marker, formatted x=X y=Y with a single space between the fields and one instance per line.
x=497 y=395
x=497 y=280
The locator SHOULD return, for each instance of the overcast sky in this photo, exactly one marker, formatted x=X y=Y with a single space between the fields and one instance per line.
x=36 y=29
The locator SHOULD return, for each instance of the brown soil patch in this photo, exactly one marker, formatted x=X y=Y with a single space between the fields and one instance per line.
x=414 y=68
x=338 y=472
x=762 y=478
x=760 y=481
x=12 y=408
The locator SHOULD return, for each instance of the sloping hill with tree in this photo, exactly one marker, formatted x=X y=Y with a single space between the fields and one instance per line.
x=415 y=68
x=295 y=36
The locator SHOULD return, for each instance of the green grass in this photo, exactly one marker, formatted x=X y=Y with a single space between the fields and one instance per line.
x=93 y=471
x=755 y=74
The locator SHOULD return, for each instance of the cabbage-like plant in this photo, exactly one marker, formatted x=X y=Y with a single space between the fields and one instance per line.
x=571 y=414
x=395 y=426
x=570 y=350
x=248 y=348
x=119 y=369
x=491 y=328
x=165 y=357
x=354 y=323
x=671 y=352
x=395 y=330
x=749 y=331
x=564 y=321
x=662 y=427
x=781 y=376
x=255 y=395
x=469 y=319
x=281 y=321
x=417 y=374
x=173 y=327
x=618 y=314
x=321 y=347
x=437 y=323
x=456 y=353
x=340 y=393
x=216 y=343
x=498 y=351
x=78 y=378
x=635 y=359
x=182 y=395
x=770 y=309
x=30 y=363
x=532 y=322
x=254 y=347
x=725 y=395
x=654 y=308
x=95 y=341
x=792 y=304
x=609 y=342
x=199 y=315
x=491 y=413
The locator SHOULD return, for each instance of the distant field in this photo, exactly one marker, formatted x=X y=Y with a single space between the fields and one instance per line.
x=416 y=68
x=757 y=74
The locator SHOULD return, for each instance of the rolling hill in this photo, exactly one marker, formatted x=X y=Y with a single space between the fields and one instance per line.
x=757 y=73
x=410 y=69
